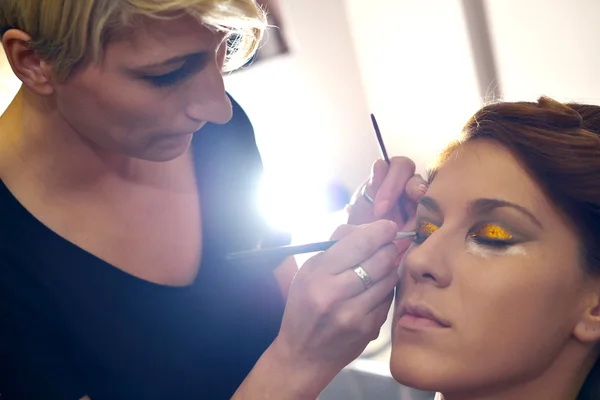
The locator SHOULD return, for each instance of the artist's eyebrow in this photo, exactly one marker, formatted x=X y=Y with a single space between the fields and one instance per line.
x=174 y=60
x=482 y=206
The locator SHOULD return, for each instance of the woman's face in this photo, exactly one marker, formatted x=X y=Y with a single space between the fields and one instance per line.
x=154 y=88
x=498 y=267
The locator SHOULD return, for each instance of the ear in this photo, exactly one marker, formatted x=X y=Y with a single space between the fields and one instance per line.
x=34 y=72
x=587 y=329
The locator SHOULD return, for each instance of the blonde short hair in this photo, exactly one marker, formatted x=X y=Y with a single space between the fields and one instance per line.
x=67 y=32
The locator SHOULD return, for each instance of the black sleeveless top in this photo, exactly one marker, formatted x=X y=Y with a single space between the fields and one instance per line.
x=72 y=325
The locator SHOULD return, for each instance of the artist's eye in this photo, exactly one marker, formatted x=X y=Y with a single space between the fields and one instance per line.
x=169 y=79
x=192 y=65
x=492 y=235
x=424 y=231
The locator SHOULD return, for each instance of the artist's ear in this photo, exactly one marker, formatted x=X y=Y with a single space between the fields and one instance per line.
x=587 y=329
x=34 y=72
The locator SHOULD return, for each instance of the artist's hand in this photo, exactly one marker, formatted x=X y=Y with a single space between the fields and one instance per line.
x=330 y=316
x=386 y=186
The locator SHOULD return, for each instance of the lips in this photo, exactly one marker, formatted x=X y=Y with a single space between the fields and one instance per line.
x=189 y=132
x=420 y=315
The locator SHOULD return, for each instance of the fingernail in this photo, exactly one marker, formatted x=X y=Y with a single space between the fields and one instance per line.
x=381 y=208
x=394 y=225
x=422 y=188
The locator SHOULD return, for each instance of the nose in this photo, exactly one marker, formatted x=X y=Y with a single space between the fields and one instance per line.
x=428 y=262
x=208 y=100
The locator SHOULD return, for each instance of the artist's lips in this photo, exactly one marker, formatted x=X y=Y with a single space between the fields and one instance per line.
x=173 y=139
x=418 y=316
x=186 y=133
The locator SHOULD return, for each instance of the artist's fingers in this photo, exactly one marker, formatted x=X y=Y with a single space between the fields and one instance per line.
x=377 y=267
x=342 y=231
x=410 y=208
x=403 y=244
x=415 y=188
x=379 y=171
x=401 y=169
x=358 y=246
x=382 y=291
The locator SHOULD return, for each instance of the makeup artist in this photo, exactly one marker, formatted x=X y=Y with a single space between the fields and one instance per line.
x=115 y=218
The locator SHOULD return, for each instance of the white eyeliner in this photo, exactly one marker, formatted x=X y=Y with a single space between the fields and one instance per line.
x=481 y=251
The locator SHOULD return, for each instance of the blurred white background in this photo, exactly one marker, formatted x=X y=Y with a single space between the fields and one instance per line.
x=422 y=66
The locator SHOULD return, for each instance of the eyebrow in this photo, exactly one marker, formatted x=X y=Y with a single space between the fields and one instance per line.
x=430 y=204
x=482 y=206
x=174 y=60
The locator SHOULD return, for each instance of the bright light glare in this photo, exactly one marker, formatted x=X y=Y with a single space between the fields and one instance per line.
x=298 y=202
x=299 y=205
x=289 y=203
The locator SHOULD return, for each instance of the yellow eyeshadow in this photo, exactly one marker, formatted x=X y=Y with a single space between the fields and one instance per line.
x=493 y=232
x=426 y=229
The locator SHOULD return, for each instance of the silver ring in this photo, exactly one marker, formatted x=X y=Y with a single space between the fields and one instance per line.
x=365 y=195
x=364 y=277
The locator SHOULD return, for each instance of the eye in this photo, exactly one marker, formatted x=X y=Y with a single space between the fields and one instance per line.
x=169 y=79
x=425 y=230
x=492 y=235
x=193 y=64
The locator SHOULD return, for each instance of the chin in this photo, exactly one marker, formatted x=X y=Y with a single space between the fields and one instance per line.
x=164 y=157
x=412 y=374
x=165 y=151
x=418 y=369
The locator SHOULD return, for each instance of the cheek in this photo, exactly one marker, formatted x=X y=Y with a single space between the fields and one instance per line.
x=109 y=104
x=515 y=294
x=516 y=315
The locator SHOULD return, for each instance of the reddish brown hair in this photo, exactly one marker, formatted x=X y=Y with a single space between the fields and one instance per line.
x=559 y=145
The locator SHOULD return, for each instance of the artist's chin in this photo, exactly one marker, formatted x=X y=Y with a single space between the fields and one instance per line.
x=166 y=148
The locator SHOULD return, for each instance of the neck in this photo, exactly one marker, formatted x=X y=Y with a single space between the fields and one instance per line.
x=35 y=137
x=562 y=380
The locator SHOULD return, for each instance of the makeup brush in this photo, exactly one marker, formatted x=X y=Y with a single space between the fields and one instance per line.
x=401 y=200
x=286 y=251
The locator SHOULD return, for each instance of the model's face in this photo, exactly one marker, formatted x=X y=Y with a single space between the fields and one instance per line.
x=154 y=88
x=499 y=268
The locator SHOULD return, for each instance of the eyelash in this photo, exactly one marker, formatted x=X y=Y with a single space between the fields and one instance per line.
x=170 y=79
x=494 y=243
x=420 y=237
